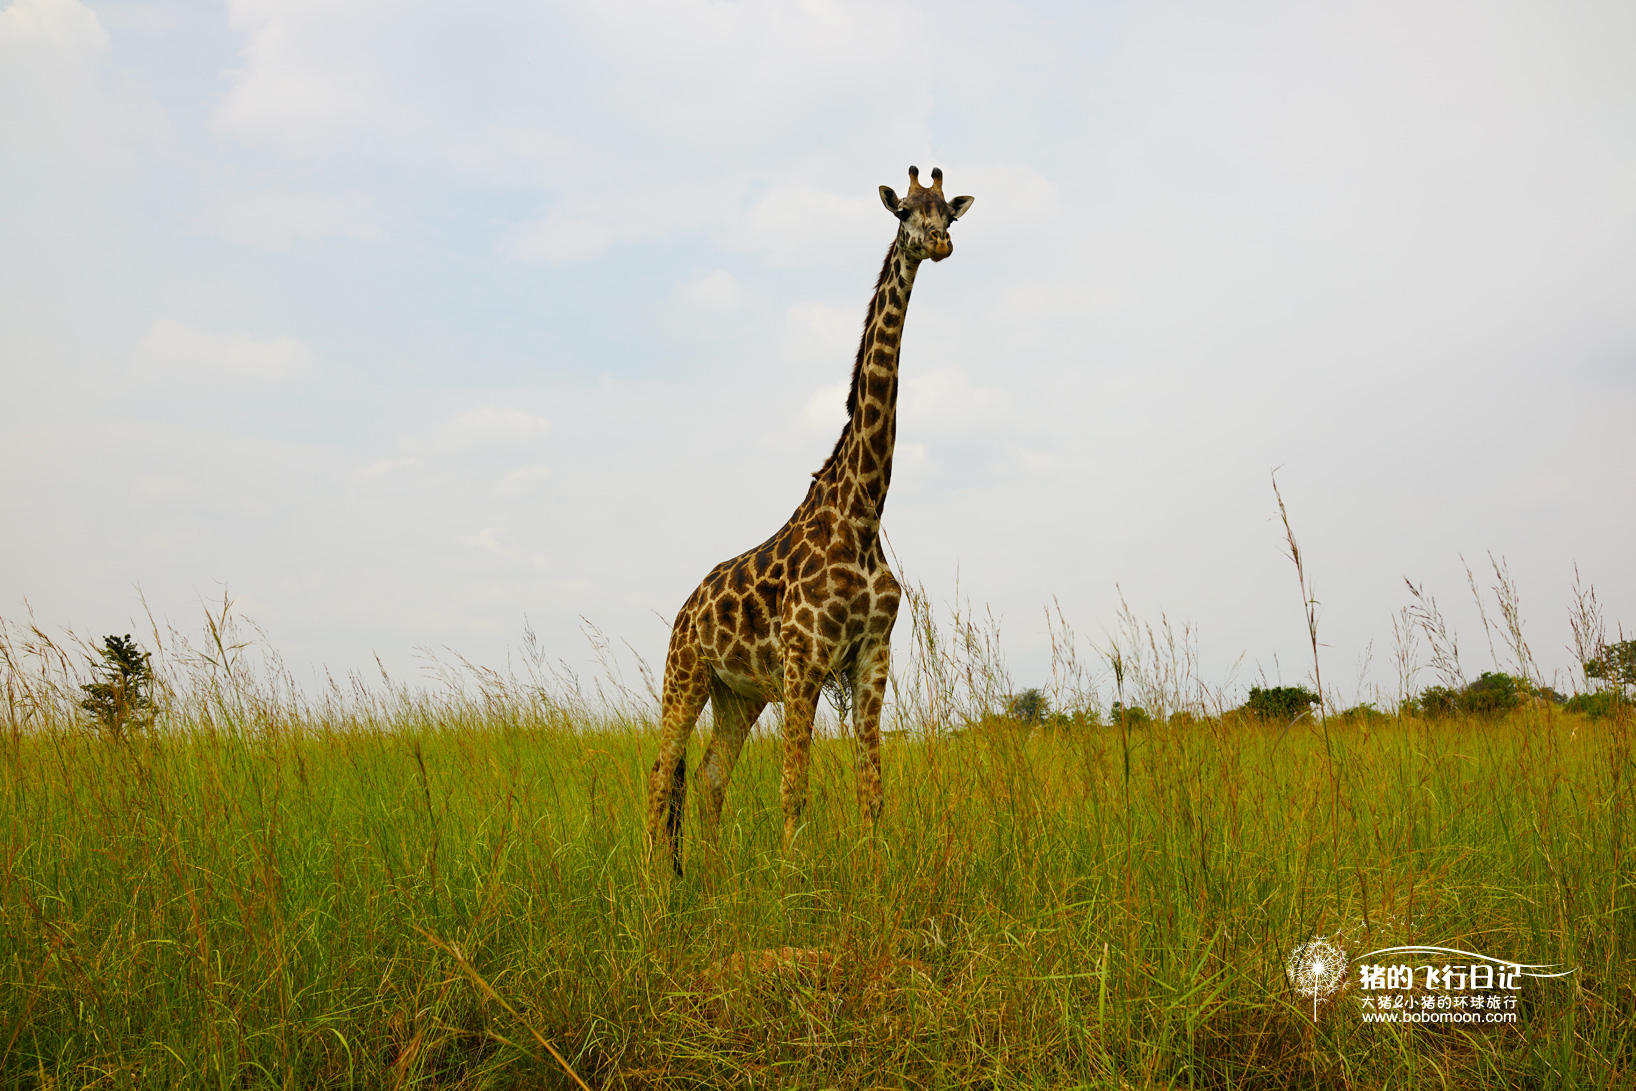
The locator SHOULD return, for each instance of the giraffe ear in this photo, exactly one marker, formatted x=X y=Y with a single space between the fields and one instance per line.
x=890 y=199
x=958 y=206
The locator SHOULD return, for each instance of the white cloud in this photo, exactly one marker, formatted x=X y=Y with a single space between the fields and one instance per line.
x=817 y=335
x=1544 y=490
x=230 y=359
x=627 y=121
x=280 y=219
x=165 y=541
x=1038 y=462
x=825 y=410
x=65 y=26
x=718 y=291
x=52 y=105
x=523 y=479
x=490 y=426
x=383 y=466
x=488 y=538
x=564 y=235
x=315 y=72
x=945 y=399
x=800 y=225
x=474 y=437
x=1013 y=196
x=295 y=85
x=152 y=488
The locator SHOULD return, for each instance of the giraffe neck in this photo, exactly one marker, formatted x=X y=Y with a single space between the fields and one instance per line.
x=859 y=470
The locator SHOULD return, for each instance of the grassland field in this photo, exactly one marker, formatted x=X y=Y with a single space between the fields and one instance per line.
x=453 y=891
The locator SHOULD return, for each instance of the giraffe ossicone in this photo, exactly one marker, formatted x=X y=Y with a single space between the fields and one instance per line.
x=816 y=601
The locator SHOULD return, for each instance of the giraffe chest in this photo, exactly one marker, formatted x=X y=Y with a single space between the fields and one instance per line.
x=755 y=620
x=843 y=608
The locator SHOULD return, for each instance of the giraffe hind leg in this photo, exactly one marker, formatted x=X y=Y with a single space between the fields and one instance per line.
x=734 y=715
x=687 y=688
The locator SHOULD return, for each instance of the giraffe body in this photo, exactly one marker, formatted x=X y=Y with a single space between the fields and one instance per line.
x=816 y=602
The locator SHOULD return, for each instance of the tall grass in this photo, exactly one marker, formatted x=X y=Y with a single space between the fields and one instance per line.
x=380 y=888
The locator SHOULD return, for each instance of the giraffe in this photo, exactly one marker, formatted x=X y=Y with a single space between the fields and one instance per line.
x=815 y=603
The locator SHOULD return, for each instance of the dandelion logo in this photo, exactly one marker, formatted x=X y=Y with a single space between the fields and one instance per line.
x=1317 y=968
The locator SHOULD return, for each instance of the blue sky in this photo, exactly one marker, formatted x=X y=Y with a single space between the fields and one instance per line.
x=407 y=321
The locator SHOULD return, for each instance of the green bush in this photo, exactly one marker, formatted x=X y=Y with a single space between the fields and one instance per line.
x=1436 y=702
x=1492 y=694
x=1134 y=716
x=1031 y=706
x=1600 y=705
x=1280 y=702
x=1083 y=717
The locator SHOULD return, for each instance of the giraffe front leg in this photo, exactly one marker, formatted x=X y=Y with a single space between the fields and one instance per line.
x=802 y=683
x=868 y=697
x=687 y=688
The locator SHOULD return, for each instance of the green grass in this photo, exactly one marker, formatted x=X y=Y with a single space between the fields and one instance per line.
x=245 y=899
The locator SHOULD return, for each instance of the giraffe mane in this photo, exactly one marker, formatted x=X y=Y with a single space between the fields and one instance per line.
x=857 y=364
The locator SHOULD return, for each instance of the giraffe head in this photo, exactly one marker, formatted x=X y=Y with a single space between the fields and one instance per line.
x=925 y=216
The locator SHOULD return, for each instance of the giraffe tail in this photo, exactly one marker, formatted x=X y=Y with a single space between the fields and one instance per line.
x=673 y=812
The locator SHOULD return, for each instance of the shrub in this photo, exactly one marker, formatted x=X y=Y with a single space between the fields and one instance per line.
x=1435 y=702
x=1280 y=702
x=1068 y=721
x=1134 y=716
x=1031 y=706
x=122 y=696
x=1081 y=717
x=1492 y=694
x=1600 y=705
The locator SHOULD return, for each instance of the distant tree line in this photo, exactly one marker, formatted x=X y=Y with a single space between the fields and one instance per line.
x=1493 y=693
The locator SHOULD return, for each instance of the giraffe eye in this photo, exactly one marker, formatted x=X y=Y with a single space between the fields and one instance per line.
x=903 y=214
